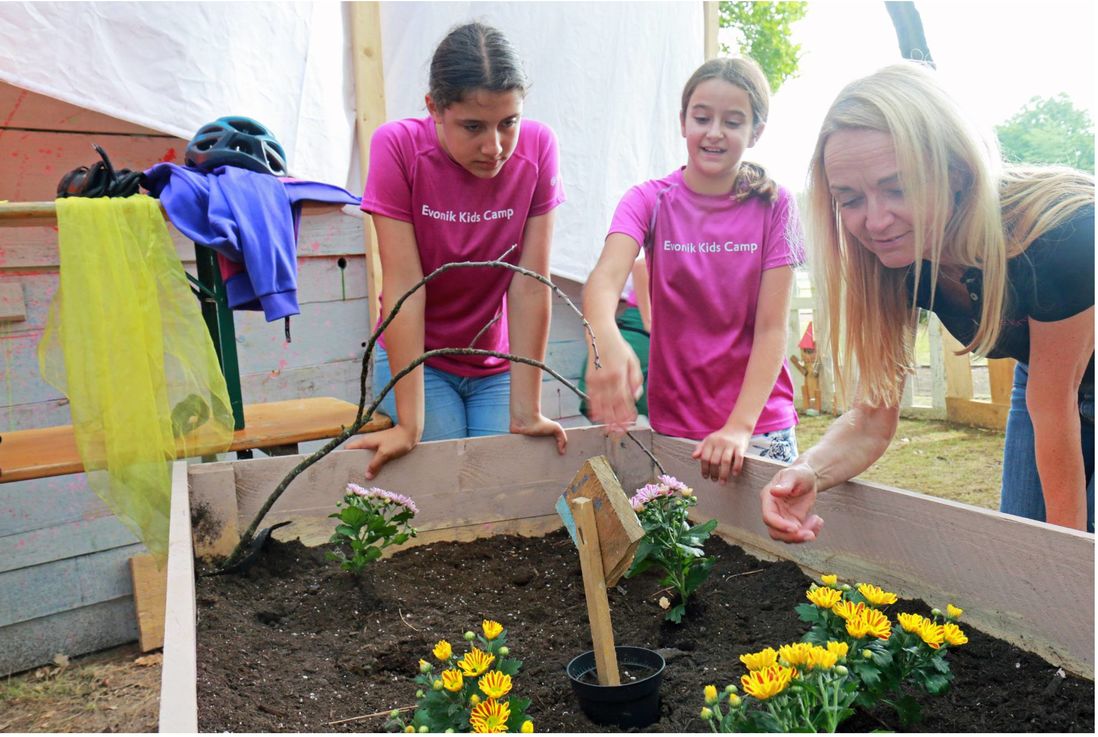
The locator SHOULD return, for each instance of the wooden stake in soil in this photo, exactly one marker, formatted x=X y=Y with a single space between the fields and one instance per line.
x=594 y=589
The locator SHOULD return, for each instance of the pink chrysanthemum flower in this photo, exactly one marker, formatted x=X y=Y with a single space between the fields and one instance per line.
x=388 y=496
x=647 y=493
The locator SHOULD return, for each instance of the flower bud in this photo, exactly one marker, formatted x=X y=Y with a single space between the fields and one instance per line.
x=840 y=670
x=424 y=666
x=449 y=730
x=424 y=729
x=410 y=729
x=474 y=699
x=710 y=695
x=706 y=713
x=504 y=651
x=687 y=492
x=437 y=685
x=844 y=587
x=734 y=700
x=470 y=636
x=867 y=654
x=419 y=693
x=394 y=713
x=527 y=727
x=935 y=612
x=730 y=688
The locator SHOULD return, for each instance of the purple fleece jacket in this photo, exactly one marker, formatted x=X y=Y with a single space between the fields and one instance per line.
x=249 y=218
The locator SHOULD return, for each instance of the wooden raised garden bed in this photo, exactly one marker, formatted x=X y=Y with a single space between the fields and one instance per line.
x=1029 y=584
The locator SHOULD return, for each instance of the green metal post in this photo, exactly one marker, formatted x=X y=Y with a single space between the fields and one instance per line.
x=219 y=321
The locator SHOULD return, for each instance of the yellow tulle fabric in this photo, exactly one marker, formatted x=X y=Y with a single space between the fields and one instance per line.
x=125 y=341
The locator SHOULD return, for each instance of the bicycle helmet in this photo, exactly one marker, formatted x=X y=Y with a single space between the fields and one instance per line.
x=236 y=141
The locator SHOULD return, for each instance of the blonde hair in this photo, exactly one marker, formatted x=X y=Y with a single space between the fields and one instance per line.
x=745 y=73
x=973 y=213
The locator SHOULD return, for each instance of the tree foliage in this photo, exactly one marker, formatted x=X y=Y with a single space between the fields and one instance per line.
x=1049 y=130
x=764 y=33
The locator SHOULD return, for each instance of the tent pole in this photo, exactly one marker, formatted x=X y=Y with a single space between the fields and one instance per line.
x=369 y=114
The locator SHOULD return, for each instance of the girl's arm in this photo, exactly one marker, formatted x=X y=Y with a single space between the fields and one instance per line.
x=640 y=289
x=612 y=389
x=401 y=269
x=1058 y=356
x=852 y=444
x=723 y=451
x=529 y=308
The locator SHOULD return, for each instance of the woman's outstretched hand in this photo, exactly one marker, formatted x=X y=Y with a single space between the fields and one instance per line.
x=787 y=503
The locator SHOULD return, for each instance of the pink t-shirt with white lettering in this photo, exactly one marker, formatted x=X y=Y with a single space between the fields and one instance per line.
x=706 y=255
x=460 y=217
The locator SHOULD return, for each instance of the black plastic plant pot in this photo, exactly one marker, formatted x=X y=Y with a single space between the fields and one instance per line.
x=635 y=703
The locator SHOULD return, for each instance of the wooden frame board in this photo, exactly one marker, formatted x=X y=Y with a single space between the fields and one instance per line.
x=1029 y=583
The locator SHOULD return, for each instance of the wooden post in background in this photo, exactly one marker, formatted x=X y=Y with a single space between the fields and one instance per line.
x=712 y=45
x=369 y=114
x=594 y=589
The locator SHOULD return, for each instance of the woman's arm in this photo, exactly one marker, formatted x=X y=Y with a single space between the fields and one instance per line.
x=613 y=389
x=401 y=269
x=852 y=444
x=722 y=451
x=1058 y=356
x=529 y=309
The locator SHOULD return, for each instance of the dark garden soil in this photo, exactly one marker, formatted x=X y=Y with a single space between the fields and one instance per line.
x=295 y=644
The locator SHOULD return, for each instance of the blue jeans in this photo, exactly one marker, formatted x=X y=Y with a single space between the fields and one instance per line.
x=456 y=406
x=1021 y=492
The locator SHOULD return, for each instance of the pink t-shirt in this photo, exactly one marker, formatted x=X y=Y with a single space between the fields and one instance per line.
x=706 y=255
x=460 y=217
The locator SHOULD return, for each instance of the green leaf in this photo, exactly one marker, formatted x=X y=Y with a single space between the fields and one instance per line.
x=353 y=516
x=908 y=709
x=346 y=531
x=936 y=684
x=675 y=613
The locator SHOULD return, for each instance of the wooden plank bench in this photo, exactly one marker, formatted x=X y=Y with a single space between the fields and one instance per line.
x=274 y=427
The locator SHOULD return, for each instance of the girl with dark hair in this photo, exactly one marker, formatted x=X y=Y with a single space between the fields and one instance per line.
x=462 y=184
x=720 y=239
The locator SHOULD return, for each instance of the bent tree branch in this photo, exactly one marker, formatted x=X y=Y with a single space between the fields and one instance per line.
x=365 y=414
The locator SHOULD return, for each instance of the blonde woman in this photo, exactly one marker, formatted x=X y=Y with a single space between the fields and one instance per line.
x=910 y=207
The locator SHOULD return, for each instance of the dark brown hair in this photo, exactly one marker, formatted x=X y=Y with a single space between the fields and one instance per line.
x=474 y=56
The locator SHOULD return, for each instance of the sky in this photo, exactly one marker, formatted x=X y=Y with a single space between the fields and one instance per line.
x=994 y=56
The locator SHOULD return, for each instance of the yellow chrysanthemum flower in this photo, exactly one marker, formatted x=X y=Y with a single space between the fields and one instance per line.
x=829 y=579
x=452 y=680
x=491 y=629
x=442 y=650
x=495 y=684
x=821 y=658
x=910 y=622
x=953 y=634
x=797 y=653
x=839 y=648
x=875 y=595
x=475 y=662
x=760 y=660
x=824 y=597
x=490 y=717
x=762 y=684
x=869 y=623
x=527 y=727
x=710 y=695
x=932 y=634
x=954 y=612
x=847 y=609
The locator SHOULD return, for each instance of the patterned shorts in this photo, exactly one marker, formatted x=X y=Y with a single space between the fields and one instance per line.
x=779 y=445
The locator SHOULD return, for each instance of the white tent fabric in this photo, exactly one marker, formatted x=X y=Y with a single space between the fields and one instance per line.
x=174 y=66
x=605 y=75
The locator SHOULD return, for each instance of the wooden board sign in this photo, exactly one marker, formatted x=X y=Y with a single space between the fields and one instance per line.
x=620 y=531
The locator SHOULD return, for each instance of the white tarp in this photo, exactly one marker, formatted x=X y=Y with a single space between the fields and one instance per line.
x=605 y=76
x=174 y=66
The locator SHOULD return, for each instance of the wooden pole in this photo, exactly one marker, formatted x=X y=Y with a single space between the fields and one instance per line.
x=369 y=114
x=712 y=44
x=594 y=589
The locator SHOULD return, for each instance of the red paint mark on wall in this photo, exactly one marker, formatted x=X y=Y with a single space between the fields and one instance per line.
x=169 y=155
